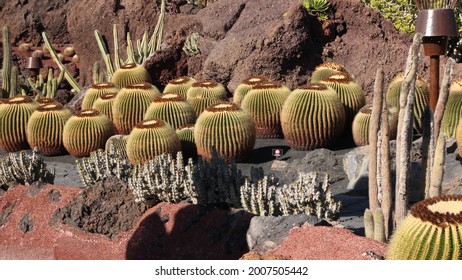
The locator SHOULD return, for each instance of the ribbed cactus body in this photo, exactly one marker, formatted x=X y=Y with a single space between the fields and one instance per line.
x=264 y=104
x=87 y=131
x=179 y=85
x=46 y=101
x=326 y=69
x=119 y=144
x=173 y=109
x=14 y=115
x=204 y=94
x=45 y=129
x=130 y=105
x=351 y=94
x=431 y=231
x=459 y=138
x=130 y=74
x=245 y=86
x=95 y=91
x=422 y=96
x=453 y=110
x=186 y=136
x=227 y=128
x=360 y=126
x=104 y=104
x=312 y=117
x=151 y=138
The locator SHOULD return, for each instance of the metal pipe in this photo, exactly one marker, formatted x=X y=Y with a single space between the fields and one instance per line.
x=434 y=80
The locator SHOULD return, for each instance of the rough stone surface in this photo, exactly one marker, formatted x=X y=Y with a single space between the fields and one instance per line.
x=356 y=167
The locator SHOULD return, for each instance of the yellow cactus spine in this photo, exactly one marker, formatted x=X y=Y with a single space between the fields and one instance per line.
x=95 y=91
x=173 y=109
x=245 y=86
x=130 y=74
x=179 y=85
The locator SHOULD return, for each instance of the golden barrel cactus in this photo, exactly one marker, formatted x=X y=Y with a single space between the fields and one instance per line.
x=173 y=109
x=119 y=144
x=179 y=85
x=151 y=138
x=312 y=117
x=186 y=135
x=264 y=104
x=326 y=69
x=245 y=86
x=228 y=129
x=104 y=104
x=453 y=109
x=95 y=91
x=205 y=93
x=130 y=74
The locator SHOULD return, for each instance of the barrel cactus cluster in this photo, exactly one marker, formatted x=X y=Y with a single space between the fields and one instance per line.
x=205 y=93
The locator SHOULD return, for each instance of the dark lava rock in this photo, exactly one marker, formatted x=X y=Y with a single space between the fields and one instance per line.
x=26 y=225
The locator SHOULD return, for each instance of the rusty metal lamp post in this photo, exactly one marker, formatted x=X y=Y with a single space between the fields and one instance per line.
x=436 y=22
x=34 y=64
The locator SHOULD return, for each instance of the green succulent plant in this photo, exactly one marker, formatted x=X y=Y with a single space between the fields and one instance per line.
x=312 y=117
x=453 y=109
x=14 y=115
x=326 y=69
x=205 y=93
x=118 y=143
x=104 y=104
x=173 y=109
x=87 y=131
x=45 y=129
x=186 y=136
x=317 y=8
x=129 y=74
x=151 y=138
x=179 y=85
x=95 y=91
x=431 y=231
x=130 y=105
x=264 y=104
x=245 y=86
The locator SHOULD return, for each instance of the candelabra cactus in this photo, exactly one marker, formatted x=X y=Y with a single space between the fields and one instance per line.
x=95 y=91
x=14 y=115
x=87 y=131
x=258 y=195
x=104 y=104
x=151 y=138
x=326 y=69
x=228 y=129
x=312 y=117
x=264 y=103
x=245 y=86
x=453 y=109
x=129 y=74
x=186 y=135
x=432 y=230
x=130 y=105
x=206 y=93
x=45 y=129
x=179 y=85
x=173 y=109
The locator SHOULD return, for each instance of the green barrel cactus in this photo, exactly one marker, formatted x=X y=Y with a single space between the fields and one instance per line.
x=422 y=96
x=228 y=129
x=312 y=117
x=264 y=104
x=173 y=109
x=46 y=101
x=87 y=131
x=206 y=93
x=151 y=138
x=245 y=86
x=95 y=91
x=431 y=231
x=351 y=94
x=186 y=136
x=130 y=74
x=326 y=69
x=14 y=115
x=130 y=105
x=45 y=129
x=453 y=109
x=179 y=85
x=104 y=104
x=119 y=144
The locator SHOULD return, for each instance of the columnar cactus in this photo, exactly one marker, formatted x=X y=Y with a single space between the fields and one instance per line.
x=186 y=135
x=245 y=86
x=95 y=91
x=14 y=115
x=130 y=105
x=312 y=117
x=351 y=94
x=453 y=109
x=87 y=131
x=104 y=104
x=173 y=109
x=326 y=69
x=432 y=230
x=206 y=93
x=151 y=138
x=45 y=129
x=179 y=85
x=421 y=98
x=228 y=129
x=129 y=74
x=264 y=103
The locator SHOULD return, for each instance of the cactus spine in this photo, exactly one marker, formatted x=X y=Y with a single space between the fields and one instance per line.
x=206 y=93
x=173 y=109
x=312 y=117
x=186 y=136
x=151 y=138
x=130 y=74
x=104 y=104
x=118 y=143
x=326 y=69
x=86 y=131
x=453 y=110
x=179 y=85
x=95 y=91
x=228 y=129
x=360 y=126
x=45 y=129
x=264 y=104
x=245 y=86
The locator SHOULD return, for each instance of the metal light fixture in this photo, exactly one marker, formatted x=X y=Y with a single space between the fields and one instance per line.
x=34 y=64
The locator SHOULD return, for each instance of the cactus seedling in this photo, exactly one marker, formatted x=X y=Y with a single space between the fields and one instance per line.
x=95 y=91
x=179 y=85
x=245 y=86
x=130 y=74
x=432 y=230
x=151 y=138
x=326 y=69
x=45 y=128
x=173 y=109
x=87 y=131
x=453 y=109
x=264 y=104
x=104 y=104
x=206 y=93
x=228 y=129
